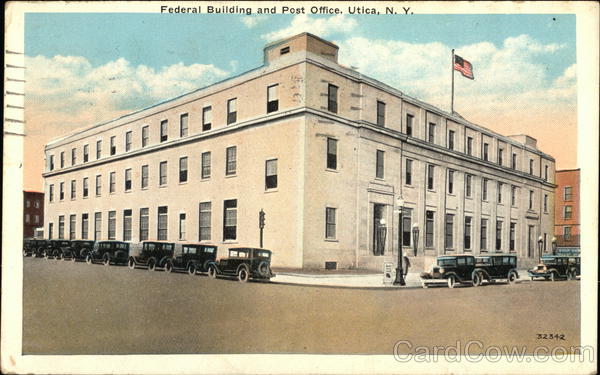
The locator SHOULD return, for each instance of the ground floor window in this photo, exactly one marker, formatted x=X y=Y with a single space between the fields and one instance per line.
x=112 y=225
x=162 y=223
x=511 y=244
x=483 y=235
x=72 y=223
x=330 y=223
x=61 y=227
x=205 y=221
x=182 y=226
x=498 y=235
x=429 y=217
x=50 y=230
x=84 y=226
x=449 y=232
x=406 y=226
x=144 y=223
x=230 y=219
x=467 y=239
x=97 y=226
x=127 y=225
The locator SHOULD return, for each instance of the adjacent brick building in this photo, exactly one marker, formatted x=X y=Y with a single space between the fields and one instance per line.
x=33 y=212
x=566 y=209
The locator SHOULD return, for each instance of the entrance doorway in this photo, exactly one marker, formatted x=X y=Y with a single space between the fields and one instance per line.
x=379 y=229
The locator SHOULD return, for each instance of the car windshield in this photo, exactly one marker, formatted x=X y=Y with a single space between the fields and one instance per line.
x=238 y=253
x=121 y=246
x=209 y=250
x=168 y=246
x=189 y=250
x=485 y=261
x=549 y=260
x=446 y=262
x=262 y=253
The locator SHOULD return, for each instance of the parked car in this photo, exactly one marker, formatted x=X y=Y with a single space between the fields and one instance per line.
x=554 y=267
x=109 y=252
x=27 y=247
x=191 y=258
x=54 y=248
x=38 y=247
x=450 y=270
x=151 y=254
x=244 y=263
x=78 y=250
x=495 y=267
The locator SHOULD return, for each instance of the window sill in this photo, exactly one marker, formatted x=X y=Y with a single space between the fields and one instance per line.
x=127 y=191
x=379 y=179
x=112 y=193
x=274 y=190
x=162 y=186
x=431 y=190
x=331 y=170
x=231 y=175
x=331 y=240
x=86 y=197
x=205 y=179
x=452 y=194
x=469 y=197
x=144 y=188
x=230 y=242
x=183 y=182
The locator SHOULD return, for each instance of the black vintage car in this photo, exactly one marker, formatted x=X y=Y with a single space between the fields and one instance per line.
x=553 y=267
x=151 y=254
x=37 y=247
x=55 y=248
x=78 y=250
x=450 y=270
x=191 y=258
x=28 y=247
x=108 y=252
x=495 y=267
x=243 y=263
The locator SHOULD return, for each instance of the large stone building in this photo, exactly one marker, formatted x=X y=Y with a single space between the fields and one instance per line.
x=325 y=151
x=566 y=213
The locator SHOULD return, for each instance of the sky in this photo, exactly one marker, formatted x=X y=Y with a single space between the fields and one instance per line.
x=85 y=68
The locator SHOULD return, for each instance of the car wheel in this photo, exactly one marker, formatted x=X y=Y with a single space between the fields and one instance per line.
x=243 y=275
x=46 y=254
x=88 y=259
x=24 y=253
x=212 y=272
x=571 y=275
x=131 y=264
x=168 y=267
x=512 y=278
x=552 y=276
x=477 y=279
x=451 y=281
x=192 y=269
x=263 y=269
x=106 y=260
x=151 y=265
x=73 y=257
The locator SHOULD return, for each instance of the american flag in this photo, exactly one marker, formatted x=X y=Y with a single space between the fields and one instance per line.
x=463 y=66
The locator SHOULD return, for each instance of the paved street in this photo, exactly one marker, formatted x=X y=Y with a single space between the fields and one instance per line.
x=76 y=308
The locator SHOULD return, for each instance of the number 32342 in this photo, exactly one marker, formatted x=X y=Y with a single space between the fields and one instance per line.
x=550 y=336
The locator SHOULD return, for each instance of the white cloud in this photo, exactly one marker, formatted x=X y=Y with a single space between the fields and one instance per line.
x=252 y=21
x=322 y=27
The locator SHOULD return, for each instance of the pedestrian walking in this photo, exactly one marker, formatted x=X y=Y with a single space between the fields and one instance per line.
x=406 y=265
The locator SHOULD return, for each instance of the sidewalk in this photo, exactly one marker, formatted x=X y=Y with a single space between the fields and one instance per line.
x=354 y=279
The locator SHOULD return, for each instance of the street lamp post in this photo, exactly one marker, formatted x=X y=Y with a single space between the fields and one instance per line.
x=553 y=245
x=399 y=270
x=415 y=234
x=540 y=247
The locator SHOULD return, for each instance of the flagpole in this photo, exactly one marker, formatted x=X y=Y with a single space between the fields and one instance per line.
x=452 y=95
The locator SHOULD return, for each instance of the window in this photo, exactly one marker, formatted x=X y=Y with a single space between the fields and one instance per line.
x=468 y=185
x=62 y=159
x=72 y=228
x=513 y=195
x=164 y=130
x=379 y=165
x=206 y=118
x=98 y=184
x=73 y=188
x=50 y=230
x=380 y=113
x=332 y=100
x=162 y=223
x=27 y=218
x=205 y=221
x=483 y=234
x=183 y=169
x=84 y=226
x=112 y=225
x=272 y=99
x=330 y=224
x=451 y=139
x=86 y=153
x=36 y=203
x=128 y=140
x=62 y=191
x=230 y=160
x=284 y=50
x=183 y=125
x=206 y=164
x=113 y=145
x=73 y=156
x=450 y=181
x=530 y=166
x=144 y=223
x=486 y=148
x=128 y=179
x=230 y=219
x=126 y=225
x=498 y=235
x=499 y=192
x=162 y=172
x=469 y=146
x=500 y=156
x=51 y=166
x=568 y=193
x=513 y=161
x=484 y=189
x=331 y=153
x=182 y=226
x=61 y=227
x=568 y=212
x=511 y=243
x=144 y=176
x=431 y=131
x=408 y=172
x=545 y=202
x=566 y=233
x=467 y=239
x=449 y=232
x=409 y=124
x=112 y=181
x=271 y=174
x=545 y=173
x=145 y=135
x=97 y=226
x=430 y=172
x=231 y=111
x=406 y=226
x=531 y=199
x=429 y=228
